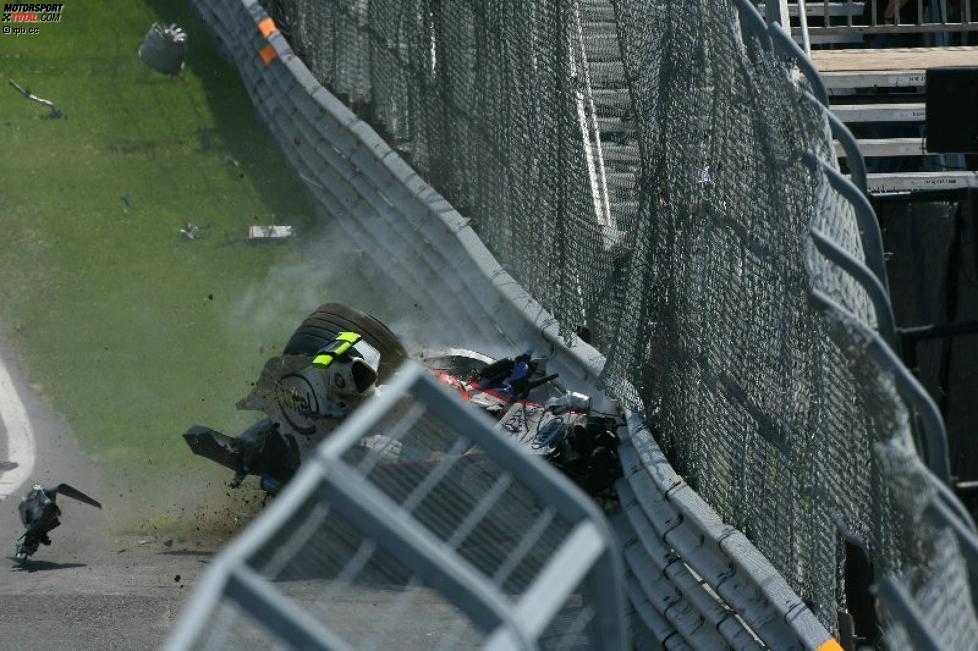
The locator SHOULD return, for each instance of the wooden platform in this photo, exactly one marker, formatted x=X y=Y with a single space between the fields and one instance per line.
x=918 y=58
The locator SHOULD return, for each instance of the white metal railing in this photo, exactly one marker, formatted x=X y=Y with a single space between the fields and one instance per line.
x=507 y=551
x=857 y=17
x=806 y=41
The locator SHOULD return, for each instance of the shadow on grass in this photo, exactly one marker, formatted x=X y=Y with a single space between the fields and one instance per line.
x=239 y=130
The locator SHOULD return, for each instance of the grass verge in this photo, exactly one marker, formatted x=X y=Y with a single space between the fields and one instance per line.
x=131 y=331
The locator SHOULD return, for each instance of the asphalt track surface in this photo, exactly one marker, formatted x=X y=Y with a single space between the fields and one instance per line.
x=96 y=589
x=91 y=589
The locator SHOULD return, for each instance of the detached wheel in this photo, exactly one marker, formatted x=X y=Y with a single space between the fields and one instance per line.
x=322 y=326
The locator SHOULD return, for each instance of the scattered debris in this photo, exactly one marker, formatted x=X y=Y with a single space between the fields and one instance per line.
x=705 y=178
x=269 y=232
x=26 y=92
x=39 y=514
x=190 y=231
x=231 y=160
x=164 y=49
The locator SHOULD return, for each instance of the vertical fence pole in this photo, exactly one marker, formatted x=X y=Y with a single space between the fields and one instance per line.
x=806 y=41
x=777 y=12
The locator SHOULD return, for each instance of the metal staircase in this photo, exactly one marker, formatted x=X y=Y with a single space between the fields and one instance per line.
x=878 y=92
x=612 y=105
x=878 y=89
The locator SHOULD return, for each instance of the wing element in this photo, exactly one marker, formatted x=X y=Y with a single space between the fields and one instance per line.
x=214 y=445
x=74 y=493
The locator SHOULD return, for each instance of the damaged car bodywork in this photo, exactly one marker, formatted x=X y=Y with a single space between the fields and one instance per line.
x=339 y=357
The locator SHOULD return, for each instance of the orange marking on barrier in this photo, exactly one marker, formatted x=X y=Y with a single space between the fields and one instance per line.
x=268 y=54
x=267 y=27
x=829 y=645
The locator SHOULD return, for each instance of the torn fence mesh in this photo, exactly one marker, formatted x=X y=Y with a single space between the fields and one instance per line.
x=638 y=167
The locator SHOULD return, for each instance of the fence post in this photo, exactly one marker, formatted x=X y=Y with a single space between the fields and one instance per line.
x=777 y=12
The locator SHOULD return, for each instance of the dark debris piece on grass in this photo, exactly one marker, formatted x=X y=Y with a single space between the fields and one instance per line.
x=55 y=113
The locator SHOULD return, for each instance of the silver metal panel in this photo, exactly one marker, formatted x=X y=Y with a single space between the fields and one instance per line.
x=896 y=182
x=906 y=112
x=872 y=79
x=887 y=147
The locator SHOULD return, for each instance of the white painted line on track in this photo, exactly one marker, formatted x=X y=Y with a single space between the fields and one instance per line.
x=20 y=435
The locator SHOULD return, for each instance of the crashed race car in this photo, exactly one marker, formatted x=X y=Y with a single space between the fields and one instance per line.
x=339 y=357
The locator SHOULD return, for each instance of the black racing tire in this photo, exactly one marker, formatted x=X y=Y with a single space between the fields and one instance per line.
x=322 y=326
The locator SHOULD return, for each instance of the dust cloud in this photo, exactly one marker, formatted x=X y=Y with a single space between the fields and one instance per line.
x=326 y=267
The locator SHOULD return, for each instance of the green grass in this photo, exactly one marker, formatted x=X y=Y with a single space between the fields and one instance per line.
x=109 y=309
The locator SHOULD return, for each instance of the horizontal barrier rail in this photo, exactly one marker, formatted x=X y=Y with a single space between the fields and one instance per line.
x=883 y=17
x=667 y=516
